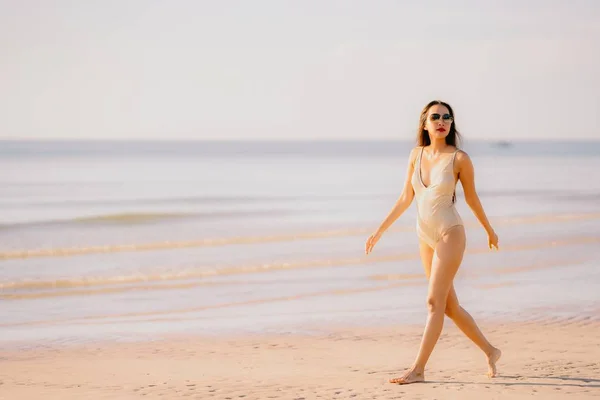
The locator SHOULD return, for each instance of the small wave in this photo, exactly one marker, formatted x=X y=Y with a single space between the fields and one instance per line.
x=207 y=272
x=99 y=318
x=168 y=245
x=496 y=285
x=146 y=201
x=243 y=240
x=557 y=194
x=201 y=200
x=140 y=217
x=396 y=277
x=132 y=217
x=195 y=273
x=156 y=315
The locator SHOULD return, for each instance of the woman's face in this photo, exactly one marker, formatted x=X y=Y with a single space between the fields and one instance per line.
x=438 y=122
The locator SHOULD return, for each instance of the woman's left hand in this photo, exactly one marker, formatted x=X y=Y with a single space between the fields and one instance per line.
x=492 y=240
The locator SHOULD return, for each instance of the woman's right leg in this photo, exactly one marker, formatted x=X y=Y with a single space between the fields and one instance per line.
x=446 y=260
x=461 y=318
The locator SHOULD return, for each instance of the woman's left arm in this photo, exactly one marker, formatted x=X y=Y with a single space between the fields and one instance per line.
x=466 y=175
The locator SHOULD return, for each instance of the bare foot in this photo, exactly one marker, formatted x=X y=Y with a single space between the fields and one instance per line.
x=410 y=376
x=492 y=359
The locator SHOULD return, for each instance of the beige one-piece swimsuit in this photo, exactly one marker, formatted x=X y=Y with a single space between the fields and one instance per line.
x=436 y=212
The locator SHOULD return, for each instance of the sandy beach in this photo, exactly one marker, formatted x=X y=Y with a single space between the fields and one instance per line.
x=547 y=359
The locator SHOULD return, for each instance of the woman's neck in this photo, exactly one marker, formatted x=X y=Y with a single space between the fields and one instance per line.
x=437 y=145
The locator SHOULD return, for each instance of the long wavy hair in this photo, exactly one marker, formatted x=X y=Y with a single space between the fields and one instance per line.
x=454 y=138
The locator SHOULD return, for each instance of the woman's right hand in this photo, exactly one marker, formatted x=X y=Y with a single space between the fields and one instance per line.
x=371 y=241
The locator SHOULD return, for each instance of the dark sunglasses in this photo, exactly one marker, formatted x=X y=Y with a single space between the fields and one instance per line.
x=445 y=117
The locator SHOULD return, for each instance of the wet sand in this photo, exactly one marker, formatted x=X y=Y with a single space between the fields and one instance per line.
x=548 y=359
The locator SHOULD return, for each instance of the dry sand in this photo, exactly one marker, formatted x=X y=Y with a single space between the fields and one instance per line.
x=544 y=359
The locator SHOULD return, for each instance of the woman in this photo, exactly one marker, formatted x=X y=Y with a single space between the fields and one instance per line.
x=434 y=168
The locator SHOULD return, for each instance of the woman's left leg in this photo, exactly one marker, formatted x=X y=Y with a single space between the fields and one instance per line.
x=465 y=322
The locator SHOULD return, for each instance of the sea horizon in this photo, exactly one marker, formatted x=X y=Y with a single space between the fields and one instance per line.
x=309 y=147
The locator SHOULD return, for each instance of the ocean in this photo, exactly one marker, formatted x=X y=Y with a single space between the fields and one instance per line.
x=128 y=240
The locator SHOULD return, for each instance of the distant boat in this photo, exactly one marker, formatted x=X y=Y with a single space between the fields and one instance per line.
x=503 y=143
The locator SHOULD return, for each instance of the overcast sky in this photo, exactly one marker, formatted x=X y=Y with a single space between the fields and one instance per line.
x=302 y=69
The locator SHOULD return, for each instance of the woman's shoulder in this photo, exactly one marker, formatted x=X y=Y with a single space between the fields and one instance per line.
x=461 y=154
x=462 y=159
x=414 y=152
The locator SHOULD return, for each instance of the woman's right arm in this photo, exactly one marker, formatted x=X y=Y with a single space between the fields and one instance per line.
x=402 y=204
